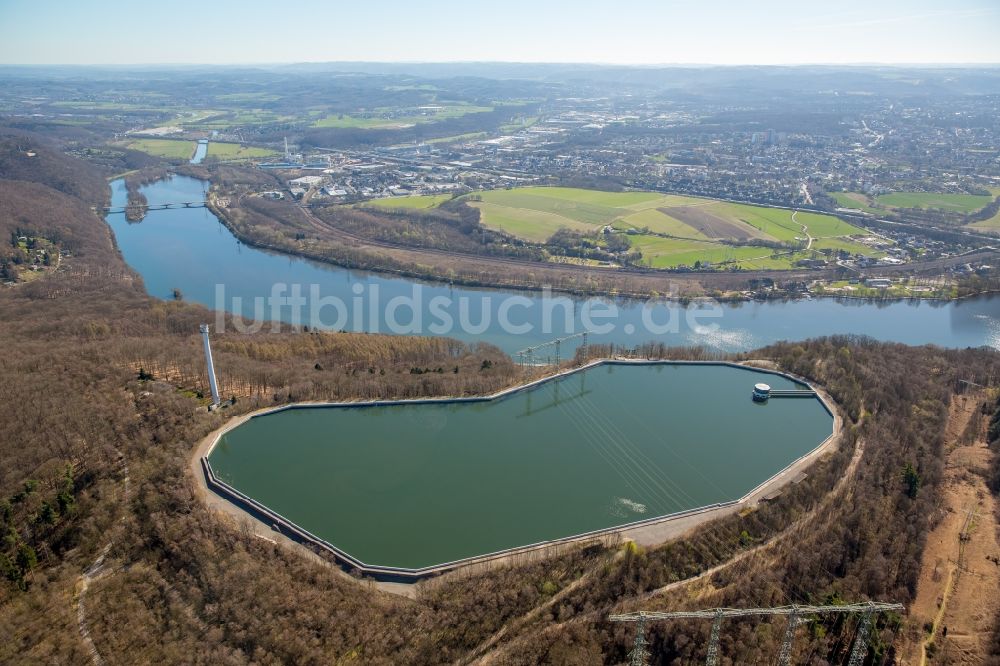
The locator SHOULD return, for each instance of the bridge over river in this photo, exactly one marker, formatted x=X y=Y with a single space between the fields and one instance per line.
x=164 y=206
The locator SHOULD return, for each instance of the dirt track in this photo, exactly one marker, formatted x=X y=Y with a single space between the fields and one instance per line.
x=960 y=561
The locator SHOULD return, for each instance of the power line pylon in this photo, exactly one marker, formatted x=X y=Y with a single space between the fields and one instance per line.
x=639 y=653
x=785 y=657
x=867 y=610
x=713 y=640
x=860 y=649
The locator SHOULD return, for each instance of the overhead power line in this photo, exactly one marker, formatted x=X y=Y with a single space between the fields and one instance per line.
x=867 y=610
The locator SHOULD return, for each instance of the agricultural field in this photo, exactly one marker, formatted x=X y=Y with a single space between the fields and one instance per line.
x=456 y=138
x=535 y=213
x=241 y=118
x=172 y=149
x=669 y=230
x=855 y=200
x=380 y=118
x=106 y=106
x=991 y=225
x=659 y=252
x=415 y=202
x=235 y=151
x=249 y=97
x=952 y=203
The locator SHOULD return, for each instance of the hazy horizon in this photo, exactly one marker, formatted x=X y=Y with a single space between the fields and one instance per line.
x=580 y=63
x=635 y=33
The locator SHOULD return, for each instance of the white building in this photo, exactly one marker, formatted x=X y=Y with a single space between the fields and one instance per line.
x=306 y=182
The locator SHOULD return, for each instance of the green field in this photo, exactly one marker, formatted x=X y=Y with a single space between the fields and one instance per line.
x=855 y=200
x=954 y=203
x=180 y=149
x=248 y=117
x=379 y=119
x=535 y=213
x=249 y=97
x=234 y=151
x=661 y=252
x=673 y=230
x=991 y=225
x=415 y=202
x=174 y=149
x=457 y=137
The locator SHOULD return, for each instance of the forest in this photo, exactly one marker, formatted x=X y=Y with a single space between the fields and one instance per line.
x=103 y=395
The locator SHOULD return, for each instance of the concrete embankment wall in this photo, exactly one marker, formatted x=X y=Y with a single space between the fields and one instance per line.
x=407 y=575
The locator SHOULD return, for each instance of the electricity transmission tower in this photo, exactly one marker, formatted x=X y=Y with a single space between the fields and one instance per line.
x=795 y=614
x=528 y=354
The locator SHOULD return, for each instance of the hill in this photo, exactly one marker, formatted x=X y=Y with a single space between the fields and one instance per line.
x=107 y=547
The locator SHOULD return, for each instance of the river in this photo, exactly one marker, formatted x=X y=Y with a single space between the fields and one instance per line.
x=200 y=152
x=190 y=250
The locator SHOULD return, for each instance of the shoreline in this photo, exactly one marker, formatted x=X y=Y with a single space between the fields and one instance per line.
x=736 y=296
x=219 y=496
x=680 y=276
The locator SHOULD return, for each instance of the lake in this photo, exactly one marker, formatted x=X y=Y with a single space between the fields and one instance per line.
x=423 y=484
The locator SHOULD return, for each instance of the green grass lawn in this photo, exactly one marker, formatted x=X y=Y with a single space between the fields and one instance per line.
x=651 y=210
x=992 y=224
x=249 y=97
x=780 y=225
x=415 y=202
x=533 y=225
x=238 y=118
x=457 y=137
x=827 y=226
x=954 y=203
x=535 y=213
x=855 y=200
x=180 y=149
x=660 y=252
x=577 y=195
x=174 y=149
x=352 y=122
x=590 y=208
x=659 y=223
x=109 y=106
x=377 y=121
x=234 y=151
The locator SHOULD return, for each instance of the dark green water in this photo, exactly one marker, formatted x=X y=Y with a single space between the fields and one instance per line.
x=418 y=485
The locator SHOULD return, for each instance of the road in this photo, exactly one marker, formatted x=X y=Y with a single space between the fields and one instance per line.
x=805 y=230
x=805 y=194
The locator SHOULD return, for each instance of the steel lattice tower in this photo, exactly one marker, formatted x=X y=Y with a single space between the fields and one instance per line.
x=795 y=614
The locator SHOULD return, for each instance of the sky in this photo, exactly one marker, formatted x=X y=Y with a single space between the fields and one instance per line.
x=613 y=31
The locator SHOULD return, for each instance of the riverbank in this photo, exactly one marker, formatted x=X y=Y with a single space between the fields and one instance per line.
x=490 y=272
x=229 y=501
x=223 y=273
